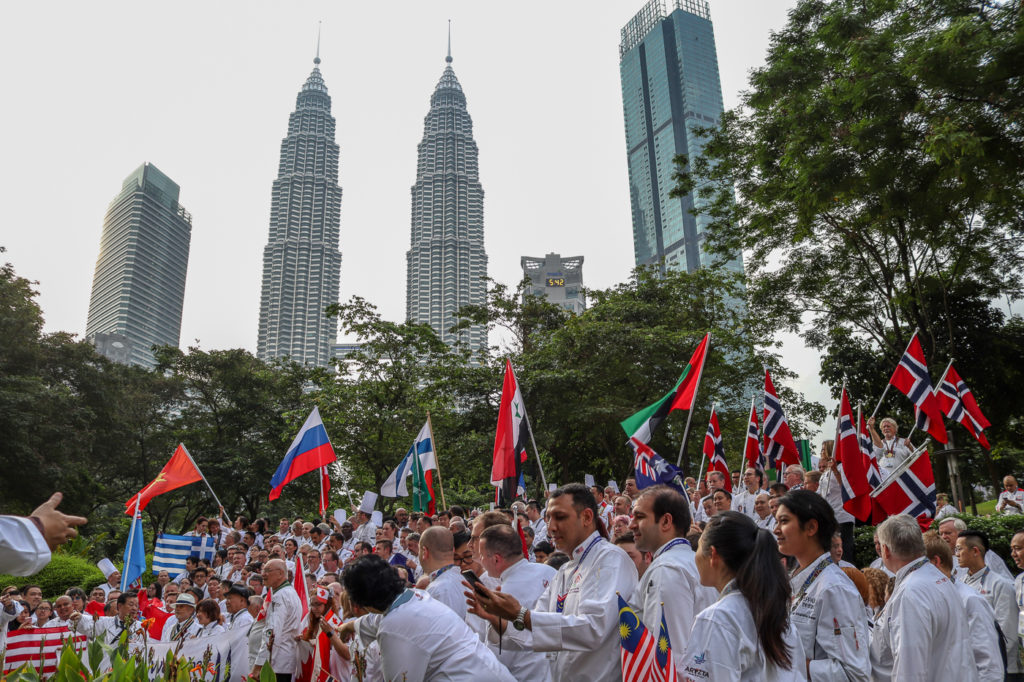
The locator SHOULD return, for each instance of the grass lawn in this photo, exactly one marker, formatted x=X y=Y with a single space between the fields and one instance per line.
x=985 y=508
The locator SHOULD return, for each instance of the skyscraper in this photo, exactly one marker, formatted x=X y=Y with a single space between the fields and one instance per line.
x=301 y=262
x=558 y=279
x=139 y=285
x=670 y=86
x=446 y=262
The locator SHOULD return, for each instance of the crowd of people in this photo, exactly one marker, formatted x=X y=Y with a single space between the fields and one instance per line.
x=756 y=583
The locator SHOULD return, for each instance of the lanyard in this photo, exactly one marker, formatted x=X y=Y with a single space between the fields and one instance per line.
x=437 y=574
x=560 y=600
x=673 y=543
x=919 y=564
x=822 y=565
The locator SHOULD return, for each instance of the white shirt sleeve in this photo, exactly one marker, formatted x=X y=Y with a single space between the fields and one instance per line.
x=23 y=550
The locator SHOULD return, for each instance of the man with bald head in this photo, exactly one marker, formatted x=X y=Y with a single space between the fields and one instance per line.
x=437 y=557
x=284 y=621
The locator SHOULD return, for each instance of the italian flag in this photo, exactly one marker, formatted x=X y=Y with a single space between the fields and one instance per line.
x=642 y=425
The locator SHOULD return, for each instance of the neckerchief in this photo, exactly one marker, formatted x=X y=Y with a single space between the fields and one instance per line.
x=799 y=597
x=182 y=627
x=560 y=600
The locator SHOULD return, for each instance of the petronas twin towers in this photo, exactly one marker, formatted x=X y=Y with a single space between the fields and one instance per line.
x=446 y=262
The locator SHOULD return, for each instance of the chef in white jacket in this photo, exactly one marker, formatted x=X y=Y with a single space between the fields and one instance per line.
x=283 y=621
x=972 y=545
x=921 y=633
x=578 y=615
x=437 y=557
x=743 y=500
x=661 y=520
x=740 y=561
x=981 y=619
x=501 y=555
x=825 y=605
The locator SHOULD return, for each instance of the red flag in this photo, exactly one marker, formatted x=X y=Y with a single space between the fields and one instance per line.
x=509 y=438
x=957 y=402
x=517 y=524
x=753 y=453
x=910 y=489
x=686 y=392
x=778 y=439
x=850 y=464
x=153 y=613
x=325 y=489
x=266 y=603
x=911 y=378
x=299 y=584
x=179 y=471
x=714 y=450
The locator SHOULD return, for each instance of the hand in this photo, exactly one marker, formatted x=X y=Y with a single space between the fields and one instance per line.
x=501 y=605
x=58 y=528
x=871 y=422
x=474 y=606
x=347 y=630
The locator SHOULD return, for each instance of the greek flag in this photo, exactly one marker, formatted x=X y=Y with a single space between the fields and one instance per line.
x=172 y=550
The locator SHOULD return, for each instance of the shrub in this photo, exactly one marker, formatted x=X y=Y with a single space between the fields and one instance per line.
x=63 y=571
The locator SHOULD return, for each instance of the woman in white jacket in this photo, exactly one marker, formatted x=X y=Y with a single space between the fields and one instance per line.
x=209 y=616
x=746 y=634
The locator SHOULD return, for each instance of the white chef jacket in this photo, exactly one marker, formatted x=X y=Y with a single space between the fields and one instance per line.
x=365 y=533
x=540 y=531
x=743 y=502
x=672 y=580
x=165 y=634
x=212 y=629
x=992 y=560
x=981 y=626
x=5 y=619
x=23 y=550
x=947 y=510
x=724 y=645
x=240 y=620
x=921 y=634
x=1007 y=510
x=585 y=634
x=831 y=488
x=108 y=629
x=421 y=639
x=880 y=565
x=1000 y=594
x=890 y=455
x=768 y=522
x=831 y=603
x=284 y=619
x=526 y=582
x=446 y=587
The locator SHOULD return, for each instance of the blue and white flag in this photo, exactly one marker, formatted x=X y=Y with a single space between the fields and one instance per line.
x=134 y=553
x=172 y=550
x=396 y=485
x=650 y=468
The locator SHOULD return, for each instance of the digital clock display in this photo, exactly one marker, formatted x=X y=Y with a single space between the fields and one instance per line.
x=556 y=281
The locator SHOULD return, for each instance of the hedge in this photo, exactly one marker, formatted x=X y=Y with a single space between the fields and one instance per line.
x=64 y=571
x=1000 y=530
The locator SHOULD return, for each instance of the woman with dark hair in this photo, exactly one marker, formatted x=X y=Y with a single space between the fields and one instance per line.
x=825 y=606
x=746 y=634
x=78 y=598
x=209 y=616
x=419 y=637
x=291 y=547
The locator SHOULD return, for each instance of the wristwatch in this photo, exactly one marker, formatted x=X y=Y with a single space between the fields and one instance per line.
x=520 y=622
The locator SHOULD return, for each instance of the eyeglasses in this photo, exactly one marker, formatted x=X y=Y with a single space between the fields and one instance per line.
x=464 y=559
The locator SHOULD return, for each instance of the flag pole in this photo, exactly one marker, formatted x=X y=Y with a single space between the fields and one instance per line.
x=187 y=454
x=835 y=441
x=543 y=478
x=903 y=466
x=131 y=541
x=689 y=416
x=437 y=460
x=703 y=456
x=887 y=385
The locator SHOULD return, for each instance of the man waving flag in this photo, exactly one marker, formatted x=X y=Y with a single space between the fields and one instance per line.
x=310 y=451
x=911 y=378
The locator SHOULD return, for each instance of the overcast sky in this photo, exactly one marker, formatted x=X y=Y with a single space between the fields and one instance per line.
x=203 y=91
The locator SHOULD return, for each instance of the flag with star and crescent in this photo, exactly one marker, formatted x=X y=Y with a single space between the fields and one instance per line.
x=637 y=646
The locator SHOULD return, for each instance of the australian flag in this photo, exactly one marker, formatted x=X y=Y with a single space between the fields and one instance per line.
x=652 y=469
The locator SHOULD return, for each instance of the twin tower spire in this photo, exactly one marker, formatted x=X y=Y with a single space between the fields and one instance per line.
x=446 y=266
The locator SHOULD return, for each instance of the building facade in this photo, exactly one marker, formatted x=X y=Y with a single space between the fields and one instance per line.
x=138 y=289
x=301 y=262
x=670 y=86
x=446 y=265
x=558 y=279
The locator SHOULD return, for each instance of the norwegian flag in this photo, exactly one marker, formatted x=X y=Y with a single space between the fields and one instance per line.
x=910 y=489
x=850 y=462
x=957 y=402
x=778 y=439
x=714 y=450
x=753 y=453
x=874 y=474
x=39 y=648
x=637 y=646
x=911 y=378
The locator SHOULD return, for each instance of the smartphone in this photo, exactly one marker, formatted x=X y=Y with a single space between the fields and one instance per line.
x=471 y=578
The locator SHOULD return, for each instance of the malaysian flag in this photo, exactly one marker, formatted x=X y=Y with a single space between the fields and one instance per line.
x=39 y=648
x=172 y=550
x=957 y=402
x=912 y=379
x=637 y=646
x=910 y=489
x=714 y=450
x=851 y=464
x=664 y=669
x=778 y=439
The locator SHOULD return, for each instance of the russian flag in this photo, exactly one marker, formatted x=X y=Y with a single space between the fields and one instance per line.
x=310 y=450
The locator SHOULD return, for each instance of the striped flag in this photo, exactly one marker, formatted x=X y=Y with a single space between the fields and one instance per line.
x=39 y=648
x=910 y=489
x=779 y=445
x=714 y=450
x=957 y=402
x=911 y=378
x=664 y=668
x=753 y=453
x=637 y=646
x=172 y=550
x=851 y=464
